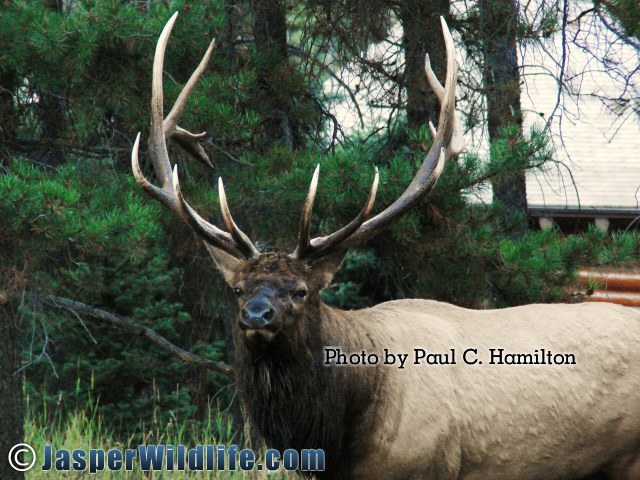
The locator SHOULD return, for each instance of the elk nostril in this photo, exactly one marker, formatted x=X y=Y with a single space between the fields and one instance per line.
x=257 y=314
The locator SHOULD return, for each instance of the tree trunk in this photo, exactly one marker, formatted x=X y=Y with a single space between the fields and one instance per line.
x=51 y=112
x=8 y=114
x=422 y=34
x=11 y=408
x=499 y=20
x=225 y=41
x=270 y=31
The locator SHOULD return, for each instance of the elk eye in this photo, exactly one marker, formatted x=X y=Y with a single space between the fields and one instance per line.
x=237 y=291
x=300 y=294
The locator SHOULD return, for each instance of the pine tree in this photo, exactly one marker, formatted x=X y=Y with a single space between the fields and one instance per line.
x=80 y=227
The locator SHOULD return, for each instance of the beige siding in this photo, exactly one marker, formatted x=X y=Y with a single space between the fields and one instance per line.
x=602 y=154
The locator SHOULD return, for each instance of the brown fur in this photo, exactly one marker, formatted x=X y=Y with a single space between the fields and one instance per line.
x=446 y=422
x=294 y=400
x=280 y=268
x=440 y=422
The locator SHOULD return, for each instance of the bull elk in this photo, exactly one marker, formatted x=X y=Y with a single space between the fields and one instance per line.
x=532 y=392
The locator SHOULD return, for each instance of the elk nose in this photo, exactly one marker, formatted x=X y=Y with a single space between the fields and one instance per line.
x=256 y=314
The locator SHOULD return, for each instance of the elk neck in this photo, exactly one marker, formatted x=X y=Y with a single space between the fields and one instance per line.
x=282 y=384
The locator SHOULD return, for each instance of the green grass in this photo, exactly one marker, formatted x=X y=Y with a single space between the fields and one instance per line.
x=84 y=428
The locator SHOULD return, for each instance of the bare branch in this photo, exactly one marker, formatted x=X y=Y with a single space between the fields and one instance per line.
x=130 y=326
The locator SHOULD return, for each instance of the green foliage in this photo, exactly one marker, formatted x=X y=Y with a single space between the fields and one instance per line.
x=79 y=423
x=529 y=29
x=358 y=282
x=627 y=12
x=105 y=247
x=71 y=215
x=536 y=268
x=511 y=154
x=96 y=58
x=85 y=230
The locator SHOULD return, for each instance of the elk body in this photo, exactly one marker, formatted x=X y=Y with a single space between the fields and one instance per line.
x=432 y=420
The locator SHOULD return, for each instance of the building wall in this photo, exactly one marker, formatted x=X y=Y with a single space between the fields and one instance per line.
x=598 y=153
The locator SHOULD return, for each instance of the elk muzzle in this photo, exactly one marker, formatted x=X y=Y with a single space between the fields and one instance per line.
x=259 y=318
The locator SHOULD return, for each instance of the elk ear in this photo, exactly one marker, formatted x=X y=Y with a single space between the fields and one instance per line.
x=325 y=267
x=227 y=264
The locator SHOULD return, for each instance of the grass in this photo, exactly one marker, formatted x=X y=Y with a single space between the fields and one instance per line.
x=86 y=429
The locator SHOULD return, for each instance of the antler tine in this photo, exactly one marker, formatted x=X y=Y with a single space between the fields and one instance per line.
x=187 y=140
x=157 y=142
x=169 y=194
x=170 y=128
x=447 y=142
x=139 y=176
x=305 y=220
x=211 y=234
x=434 y=161
x=238 y=235
x=319 y=246
x=457 y=143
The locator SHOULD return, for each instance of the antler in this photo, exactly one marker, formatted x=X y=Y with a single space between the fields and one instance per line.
x=448 y=142
x=236 y=243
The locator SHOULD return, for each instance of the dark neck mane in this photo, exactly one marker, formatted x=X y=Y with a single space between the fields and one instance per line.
x=295 y=401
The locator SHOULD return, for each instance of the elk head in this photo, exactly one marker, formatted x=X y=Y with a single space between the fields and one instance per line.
x=274 y=290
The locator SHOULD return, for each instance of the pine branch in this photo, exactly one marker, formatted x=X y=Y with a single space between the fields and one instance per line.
x=137 y=329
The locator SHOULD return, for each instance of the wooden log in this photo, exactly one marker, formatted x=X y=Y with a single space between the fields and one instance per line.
x=630 y=299
x=608 y=280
